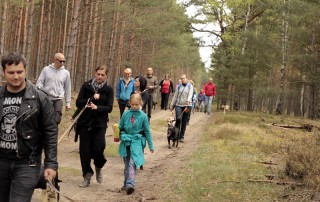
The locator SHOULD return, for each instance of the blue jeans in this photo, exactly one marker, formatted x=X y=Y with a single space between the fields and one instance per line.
x=183 y=120
x=17 y=180
x=129 y=169
x=208 y=102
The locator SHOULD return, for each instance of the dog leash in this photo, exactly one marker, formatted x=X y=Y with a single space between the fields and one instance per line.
x=53 y=190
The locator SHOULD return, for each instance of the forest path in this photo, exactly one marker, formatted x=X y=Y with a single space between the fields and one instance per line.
x=151 y=183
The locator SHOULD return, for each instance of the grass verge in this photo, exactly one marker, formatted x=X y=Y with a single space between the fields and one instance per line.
x=227 y=164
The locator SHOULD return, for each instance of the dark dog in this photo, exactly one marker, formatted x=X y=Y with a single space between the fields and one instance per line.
x=173 y=132
x=154 y=103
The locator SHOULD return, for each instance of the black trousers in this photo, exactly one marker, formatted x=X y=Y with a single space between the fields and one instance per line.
x=182 y=118
x=150 y=105
x=164 y=100
x=122 y=106
x=57 y=107
x=92 y=146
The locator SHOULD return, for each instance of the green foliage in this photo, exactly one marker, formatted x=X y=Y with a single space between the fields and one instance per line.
x=250 y=54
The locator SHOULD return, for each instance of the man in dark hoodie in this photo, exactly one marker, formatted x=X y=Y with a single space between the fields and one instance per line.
x=55 y=80
x=152 y=85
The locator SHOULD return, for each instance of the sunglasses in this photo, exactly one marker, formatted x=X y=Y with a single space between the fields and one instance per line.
x=61 y=61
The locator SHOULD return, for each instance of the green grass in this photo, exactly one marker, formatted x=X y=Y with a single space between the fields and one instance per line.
x=227 y=159
x=69 y=170
x=112 y=149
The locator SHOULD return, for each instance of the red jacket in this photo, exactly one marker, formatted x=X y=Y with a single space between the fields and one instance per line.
x=210 y=89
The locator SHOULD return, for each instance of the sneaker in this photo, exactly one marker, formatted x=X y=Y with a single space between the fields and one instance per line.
x=182 y=140
x=129 y=190
x=208 y=113
x=123 y=188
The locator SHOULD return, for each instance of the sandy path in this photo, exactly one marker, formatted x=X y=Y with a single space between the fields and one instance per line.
x=150 y=183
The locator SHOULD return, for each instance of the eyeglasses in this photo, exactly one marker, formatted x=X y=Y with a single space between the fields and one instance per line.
x=61 y=61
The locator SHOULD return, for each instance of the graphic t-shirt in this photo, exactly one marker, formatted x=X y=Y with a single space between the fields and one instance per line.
x=8 y=136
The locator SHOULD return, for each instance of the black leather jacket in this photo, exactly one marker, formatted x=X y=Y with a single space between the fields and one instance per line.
x=36 y=127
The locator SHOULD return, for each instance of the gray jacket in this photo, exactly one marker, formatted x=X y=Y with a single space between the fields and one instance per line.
x=56 y=82
x=152 y=81
x=182 y=95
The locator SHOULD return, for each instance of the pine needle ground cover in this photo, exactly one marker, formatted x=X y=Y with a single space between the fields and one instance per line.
x=243 y=158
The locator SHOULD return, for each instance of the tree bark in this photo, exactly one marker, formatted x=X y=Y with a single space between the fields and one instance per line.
x=65 y=27
x=3 y=24
x=285 y=25
x=18 y=30
x=113 y=41
x=70 y=56
x=48 y=31
x=40 y=40
x=25 y=30
x=29 y=35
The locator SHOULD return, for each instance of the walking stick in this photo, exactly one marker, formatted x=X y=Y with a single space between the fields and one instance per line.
x=74 y=121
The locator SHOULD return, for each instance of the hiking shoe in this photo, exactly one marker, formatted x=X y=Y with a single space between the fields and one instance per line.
x=86 y=180
x=99 y=176
x=129 y=190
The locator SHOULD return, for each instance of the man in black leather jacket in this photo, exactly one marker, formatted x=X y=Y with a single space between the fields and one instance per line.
x=27 y=127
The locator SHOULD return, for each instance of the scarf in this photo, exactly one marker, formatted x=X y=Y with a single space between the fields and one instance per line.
x=97 y=86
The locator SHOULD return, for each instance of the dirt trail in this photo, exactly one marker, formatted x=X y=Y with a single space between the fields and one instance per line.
x=150 y=182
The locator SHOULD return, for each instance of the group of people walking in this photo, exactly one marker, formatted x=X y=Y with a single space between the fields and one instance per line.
x=30 y=115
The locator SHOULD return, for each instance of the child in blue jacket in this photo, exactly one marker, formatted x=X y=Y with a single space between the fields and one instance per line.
x=134 y=129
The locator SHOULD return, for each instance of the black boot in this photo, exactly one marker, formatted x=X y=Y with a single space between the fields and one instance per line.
x=86 y=180
x=99 y=176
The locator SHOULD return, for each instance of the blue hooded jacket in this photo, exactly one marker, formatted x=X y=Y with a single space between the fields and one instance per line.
x=123 y=93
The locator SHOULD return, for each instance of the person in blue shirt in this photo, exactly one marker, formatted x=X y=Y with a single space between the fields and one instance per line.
x=134 y=129
x=124 y=89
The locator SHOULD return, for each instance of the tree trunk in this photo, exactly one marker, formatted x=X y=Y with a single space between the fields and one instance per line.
x=70 y=55
x=25 y=30
x=48 y=31
x=40 y=40
x=29 y=36
x=120 y=48
x=94 y=20
x=87 y=23
x=18 y=30
x=99 y=41
x=113 y=41
x=314 y=86
x=285 y=25
x=131 y=40
x=3 y=24
x=65 y=27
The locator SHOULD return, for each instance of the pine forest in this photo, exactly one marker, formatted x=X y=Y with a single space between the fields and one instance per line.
x=265 y=57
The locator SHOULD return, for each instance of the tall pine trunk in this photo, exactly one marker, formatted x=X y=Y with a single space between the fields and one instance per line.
x=71 y=46
x=39 y=51
x=284 y=52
